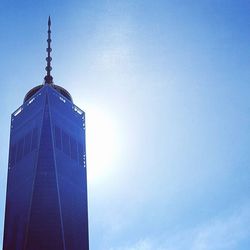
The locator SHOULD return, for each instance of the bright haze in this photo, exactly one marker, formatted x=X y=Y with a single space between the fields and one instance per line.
x=166 y=90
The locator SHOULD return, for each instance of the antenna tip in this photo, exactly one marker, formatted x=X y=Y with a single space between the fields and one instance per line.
x=49 y=21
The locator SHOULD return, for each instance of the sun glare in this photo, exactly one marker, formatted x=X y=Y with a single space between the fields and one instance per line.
x=101 y=143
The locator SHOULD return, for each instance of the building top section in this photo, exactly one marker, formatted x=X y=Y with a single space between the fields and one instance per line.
x=48 y=79
x=58 y=88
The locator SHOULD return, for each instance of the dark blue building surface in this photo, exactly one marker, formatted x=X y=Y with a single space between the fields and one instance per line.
x=46 y=202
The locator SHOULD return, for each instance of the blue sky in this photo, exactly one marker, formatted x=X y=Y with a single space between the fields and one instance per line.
x=165 y=88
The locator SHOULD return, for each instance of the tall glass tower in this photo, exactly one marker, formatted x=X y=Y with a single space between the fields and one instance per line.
x=46 y=200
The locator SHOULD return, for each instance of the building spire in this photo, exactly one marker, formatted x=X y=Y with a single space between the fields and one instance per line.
x=48 y=78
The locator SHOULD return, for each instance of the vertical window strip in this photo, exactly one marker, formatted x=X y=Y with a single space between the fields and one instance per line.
x=65 y=143
x=27 y=143
x=13 y=154
x=34 y=143
x=58 y=138
x=80 y=154
x=73 y=148
x=20 y=149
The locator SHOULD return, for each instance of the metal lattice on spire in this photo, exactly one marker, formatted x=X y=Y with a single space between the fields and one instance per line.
x=48 y=78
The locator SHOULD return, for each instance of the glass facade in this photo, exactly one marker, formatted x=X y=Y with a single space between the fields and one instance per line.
x=46 y=201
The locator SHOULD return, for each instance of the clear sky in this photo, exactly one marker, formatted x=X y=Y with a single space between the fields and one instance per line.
x=166 y=90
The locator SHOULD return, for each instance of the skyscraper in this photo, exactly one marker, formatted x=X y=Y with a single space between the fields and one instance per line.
x=46 y=200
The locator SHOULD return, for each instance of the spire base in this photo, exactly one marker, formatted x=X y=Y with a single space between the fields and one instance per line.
x=48 y=79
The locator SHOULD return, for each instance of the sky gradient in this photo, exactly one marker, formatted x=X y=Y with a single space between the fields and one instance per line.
x=165 y=88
